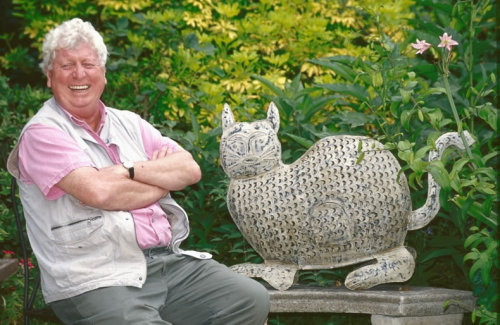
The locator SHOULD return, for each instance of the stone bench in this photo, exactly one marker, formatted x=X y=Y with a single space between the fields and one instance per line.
x=8 y=266
x=387 y=304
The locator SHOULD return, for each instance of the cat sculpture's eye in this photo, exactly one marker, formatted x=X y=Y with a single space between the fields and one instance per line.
x=257 y=142
x=237 y=146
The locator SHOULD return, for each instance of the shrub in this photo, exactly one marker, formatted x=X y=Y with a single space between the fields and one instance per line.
x=331 y=67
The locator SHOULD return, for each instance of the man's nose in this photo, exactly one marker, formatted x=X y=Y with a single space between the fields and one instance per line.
x=79 y=71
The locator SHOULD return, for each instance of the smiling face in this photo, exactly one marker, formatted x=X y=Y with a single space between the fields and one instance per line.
x=77 y=81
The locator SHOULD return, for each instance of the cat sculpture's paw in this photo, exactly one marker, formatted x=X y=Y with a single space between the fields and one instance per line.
x=396 y=265
x=279 y=276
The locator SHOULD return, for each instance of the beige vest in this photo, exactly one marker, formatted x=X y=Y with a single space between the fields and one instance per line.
x=80 y=248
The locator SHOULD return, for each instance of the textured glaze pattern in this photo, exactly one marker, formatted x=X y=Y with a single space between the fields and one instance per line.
x=343 y=202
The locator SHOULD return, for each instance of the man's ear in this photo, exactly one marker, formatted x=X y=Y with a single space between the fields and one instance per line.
x=49 y=78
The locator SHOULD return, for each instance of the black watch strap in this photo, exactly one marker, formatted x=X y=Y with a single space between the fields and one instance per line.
x=130 y=167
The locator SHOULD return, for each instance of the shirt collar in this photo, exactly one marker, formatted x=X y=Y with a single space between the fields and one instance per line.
x=79 y=122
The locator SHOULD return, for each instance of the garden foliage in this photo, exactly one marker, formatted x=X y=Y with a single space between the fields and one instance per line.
x=331 y=67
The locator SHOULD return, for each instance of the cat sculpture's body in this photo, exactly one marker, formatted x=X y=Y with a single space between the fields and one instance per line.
x=343 y=202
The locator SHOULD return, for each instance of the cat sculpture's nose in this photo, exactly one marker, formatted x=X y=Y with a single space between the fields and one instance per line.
x=249 y=160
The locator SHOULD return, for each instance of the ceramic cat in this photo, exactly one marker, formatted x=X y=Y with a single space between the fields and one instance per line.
x=330 y=208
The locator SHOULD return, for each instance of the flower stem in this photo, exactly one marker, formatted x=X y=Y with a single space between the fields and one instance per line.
x=455 y=114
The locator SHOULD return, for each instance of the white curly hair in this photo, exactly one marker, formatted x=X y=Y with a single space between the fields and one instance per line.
x=69 y=35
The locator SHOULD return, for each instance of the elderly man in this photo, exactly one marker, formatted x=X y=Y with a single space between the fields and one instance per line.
x=94 y=183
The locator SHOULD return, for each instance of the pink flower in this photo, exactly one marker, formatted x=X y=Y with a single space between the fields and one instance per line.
x=8 y=253
x=446 y=41
x=421 y=46
x=30 y=264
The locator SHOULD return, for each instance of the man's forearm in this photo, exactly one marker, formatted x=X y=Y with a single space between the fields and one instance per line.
x=110 y=188
x=172 y=172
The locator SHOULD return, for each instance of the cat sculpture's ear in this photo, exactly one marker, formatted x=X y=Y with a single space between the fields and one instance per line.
x=273 y=116
x=227 y=117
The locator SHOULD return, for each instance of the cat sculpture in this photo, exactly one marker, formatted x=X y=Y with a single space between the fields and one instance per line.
x=343 y=202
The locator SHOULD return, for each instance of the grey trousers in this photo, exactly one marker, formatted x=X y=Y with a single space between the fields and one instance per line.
x=179 y=290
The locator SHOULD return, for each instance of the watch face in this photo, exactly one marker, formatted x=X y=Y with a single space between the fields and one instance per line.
x=128 y=164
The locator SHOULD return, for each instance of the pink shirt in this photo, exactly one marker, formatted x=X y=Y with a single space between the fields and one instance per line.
x=47 y=154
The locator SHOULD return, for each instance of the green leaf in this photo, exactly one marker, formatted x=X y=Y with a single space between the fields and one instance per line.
x=486 y=188
x=339 y=68
x=439 y=253
x=433 y=91
x=405 y=95
x=161 y=86
x=377 y=79
x=394 y=108
x=411 y=84
x=270 y=85
x=489 y=218
x=191 y=41
x=405 y=118
x=347 y=89
x=194 y=123
x=316 y=105
x=302 y=141
x=420 y=115
x=354 y=119
x=455 y=183
x=473 y=240
x=360 y=146
x=405 y=145
x=422 y=151
x=489 y=115
x=418 y=165
x=487 y=171
x=360 y=158
x=485 y=273
x=458 y=165
x=488 y=156
x=476 y=266
x=472 y=256
x=435 y=115
x=440 y=174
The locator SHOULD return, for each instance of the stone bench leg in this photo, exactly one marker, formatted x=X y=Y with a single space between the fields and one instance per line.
x=449 y=319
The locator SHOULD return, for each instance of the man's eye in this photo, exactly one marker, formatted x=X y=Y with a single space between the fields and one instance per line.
x=89 y=65
x=67 y=66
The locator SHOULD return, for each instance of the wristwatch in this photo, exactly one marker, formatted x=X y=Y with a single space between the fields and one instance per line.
x=130 y=166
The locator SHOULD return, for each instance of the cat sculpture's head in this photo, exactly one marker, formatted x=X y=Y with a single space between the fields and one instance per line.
x=249 y=149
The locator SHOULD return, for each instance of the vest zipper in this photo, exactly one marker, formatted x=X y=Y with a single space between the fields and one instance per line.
x=88 y=220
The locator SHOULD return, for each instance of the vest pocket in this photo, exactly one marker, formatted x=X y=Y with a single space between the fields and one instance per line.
x=77 y=231
x=82 y=250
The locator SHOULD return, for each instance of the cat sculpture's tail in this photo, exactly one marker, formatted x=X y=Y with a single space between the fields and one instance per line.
x=422 y=216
